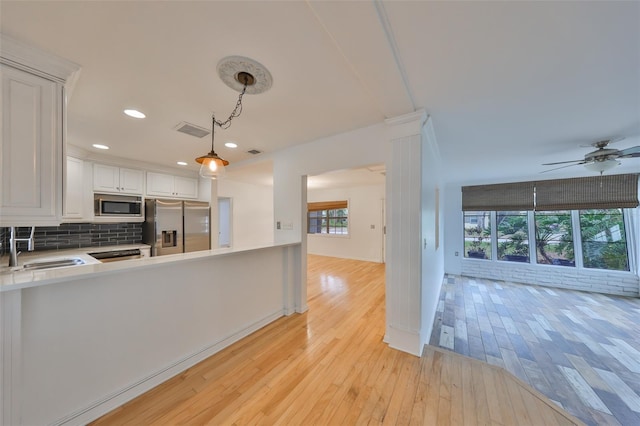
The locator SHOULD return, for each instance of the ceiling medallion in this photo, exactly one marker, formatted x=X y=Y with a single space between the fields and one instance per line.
x=232 y=68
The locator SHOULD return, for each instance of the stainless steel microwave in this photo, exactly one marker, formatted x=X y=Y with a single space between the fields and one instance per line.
x=117 y=205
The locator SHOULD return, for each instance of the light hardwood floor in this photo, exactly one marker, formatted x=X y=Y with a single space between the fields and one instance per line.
x=330 y=366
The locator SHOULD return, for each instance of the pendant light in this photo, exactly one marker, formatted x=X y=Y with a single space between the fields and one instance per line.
x=212 y=165
x=246 y=76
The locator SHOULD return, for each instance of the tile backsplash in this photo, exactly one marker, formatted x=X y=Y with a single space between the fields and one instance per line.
x=76 y=235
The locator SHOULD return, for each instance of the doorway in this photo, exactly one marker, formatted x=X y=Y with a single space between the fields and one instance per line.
x=224 y=222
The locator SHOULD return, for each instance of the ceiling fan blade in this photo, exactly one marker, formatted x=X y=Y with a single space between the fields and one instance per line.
x=564 y=167
x=634 y=151
x=562 y=162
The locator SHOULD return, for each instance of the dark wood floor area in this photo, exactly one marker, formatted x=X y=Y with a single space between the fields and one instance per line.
x=330 y=366
x=582 y=350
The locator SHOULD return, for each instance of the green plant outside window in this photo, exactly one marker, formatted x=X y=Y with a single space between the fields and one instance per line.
x=513 y=236
x=477 y=235
x=604 y=244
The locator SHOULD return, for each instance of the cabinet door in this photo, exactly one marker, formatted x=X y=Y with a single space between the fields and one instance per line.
x=74 y=189
x=106 y=178
x=30 y=149
x=185 y=187
x=131 y=181
x=159 y=184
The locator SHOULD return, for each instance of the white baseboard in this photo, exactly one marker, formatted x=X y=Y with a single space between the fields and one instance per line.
x=404 y=340
x=118 y=398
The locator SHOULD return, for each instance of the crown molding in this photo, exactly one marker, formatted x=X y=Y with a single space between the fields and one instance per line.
x=44 y=64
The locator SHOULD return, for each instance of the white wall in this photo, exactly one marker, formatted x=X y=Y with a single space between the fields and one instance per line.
x=453 y=232
x=365 y=212
x=251 y=212
x=357 y=148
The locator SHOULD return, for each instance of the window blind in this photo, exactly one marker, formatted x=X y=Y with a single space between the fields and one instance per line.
x=594 y=192
x=499 y=197
x=326 y=205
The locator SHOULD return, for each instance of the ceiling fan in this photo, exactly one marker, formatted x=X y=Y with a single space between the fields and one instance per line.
x=600 y=160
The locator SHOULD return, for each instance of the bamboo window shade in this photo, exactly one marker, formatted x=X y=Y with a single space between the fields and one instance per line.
x=594 y=192
x=499 y=197
x=326 y=205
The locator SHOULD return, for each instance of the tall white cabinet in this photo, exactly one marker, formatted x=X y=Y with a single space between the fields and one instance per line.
x=32 y=139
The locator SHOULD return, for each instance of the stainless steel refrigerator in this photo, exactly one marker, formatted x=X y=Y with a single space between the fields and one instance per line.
x=176 y=226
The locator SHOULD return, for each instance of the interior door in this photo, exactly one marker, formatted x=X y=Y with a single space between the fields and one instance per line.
x=224 y=220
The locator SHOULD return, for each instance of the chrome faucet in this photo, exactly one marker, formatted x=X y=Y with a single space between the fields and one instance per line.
x=13 y=252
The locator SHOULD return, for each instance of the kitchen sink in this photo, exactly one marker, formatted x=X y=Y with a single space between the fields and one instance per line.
x=49 y=264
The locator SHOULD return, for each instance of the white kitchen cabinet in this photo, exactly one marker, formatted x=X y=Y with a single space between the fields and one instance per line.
x=74 y=195
x=31 y=149
x=186 y=187
x=32 y=140
x=117 y=179
x=163 y=185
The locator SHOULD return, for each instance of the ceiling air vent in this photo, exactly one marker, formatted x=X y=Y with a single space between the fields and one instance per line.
x=192 y=129
x=254 y=152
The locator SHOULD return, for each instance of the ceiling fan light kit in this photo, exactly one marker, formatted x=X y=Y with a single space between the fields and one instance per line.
x=245 y=76
x=602 y=166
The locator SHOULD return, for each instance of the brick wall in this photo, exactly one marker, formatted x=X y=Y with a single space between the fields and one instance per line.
x=77 y=235
x=594 y=280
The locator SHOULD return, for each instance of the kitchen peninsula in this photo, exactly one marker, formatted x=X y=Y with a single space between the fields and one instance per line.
x=77 y=342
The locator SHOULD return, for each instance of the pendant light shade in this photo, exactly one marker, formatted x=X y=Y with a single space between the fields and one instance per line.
x=212 y=166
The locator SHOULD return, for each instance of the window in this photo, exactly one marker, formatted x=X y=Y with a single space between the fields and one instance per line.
x=513 y=236
x=477 y=235
x=554 y=238
x=604 y=245
x=328 y=218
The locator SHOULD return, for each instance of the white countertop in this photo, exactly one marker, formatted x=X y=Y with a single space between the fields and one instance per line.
x=32 y=278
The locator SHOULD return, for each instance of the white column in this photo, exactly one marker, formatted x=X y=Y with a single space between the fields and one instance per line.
x=404 y=236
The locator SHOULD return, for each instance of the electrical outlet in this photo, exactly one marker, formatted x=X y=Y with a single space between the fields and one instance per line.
x=278 y=225
x=457 y=254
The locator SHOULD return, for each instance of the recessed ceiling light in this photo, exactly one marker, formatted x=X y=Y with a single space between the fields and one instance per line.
x=182 y=163
x=99 y=146
x=231 y=145
x=134 y=113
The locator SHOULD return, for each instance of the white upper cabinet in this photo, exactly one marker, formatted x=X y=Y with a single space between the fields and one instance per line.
x=163 y=185
x=186 y=187
x=32 y=138
x=117 y=179
x=74 y=189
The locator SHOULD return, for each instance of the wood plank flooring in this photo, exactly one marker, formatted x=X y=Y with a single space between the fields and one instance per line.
x=329 y=366
x=581 y=350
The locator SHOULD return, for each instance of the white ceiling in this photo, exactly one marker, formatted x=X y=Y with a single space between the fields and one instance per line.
x=509 y=85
